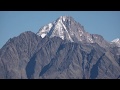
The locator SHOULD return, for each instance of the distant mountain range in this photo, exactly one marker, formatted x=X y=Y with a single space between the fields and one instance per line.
x=60 y=50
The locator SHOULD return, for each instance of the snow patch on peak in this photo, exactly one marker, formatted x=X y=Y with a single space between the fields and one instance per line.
x=67 y=33
x=43 y=35
x=44 y=30
x=50 y=25
x=63 y=18
x=89 y=39
x=116 y=40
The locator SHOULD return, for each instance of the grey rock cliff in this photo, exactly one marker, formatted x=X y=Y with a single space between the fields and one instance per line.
x=30 y=56
x=16 y=53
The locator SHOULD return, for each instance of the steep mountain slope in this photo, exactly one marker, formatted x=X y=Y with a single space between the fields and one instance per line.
x=16 y=53
x=30 y=56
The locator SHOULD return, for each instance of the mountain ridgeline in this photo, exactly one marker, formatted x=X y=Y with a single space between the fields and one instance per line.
x=60 y=50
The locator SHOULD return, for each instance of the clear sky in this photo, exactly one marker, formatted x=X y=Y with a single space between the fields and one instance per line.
x=12 y=23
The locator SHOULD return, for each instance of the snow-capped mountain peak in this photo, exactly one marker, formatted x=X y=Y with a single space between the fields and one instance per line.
x=63 y=18
x=66 y=18
x=64 y=27
x=116 y=41
x=67 y=28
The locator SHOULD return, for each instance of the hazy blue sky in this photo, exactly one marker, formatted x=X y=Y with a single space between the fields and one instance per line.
x=12 y=23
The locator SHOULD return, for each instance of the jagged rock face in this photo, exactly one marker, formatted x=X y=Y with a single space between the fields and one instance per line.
x=16 y=53
x=79 y=61
x=30 y=56
x=64 y=27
